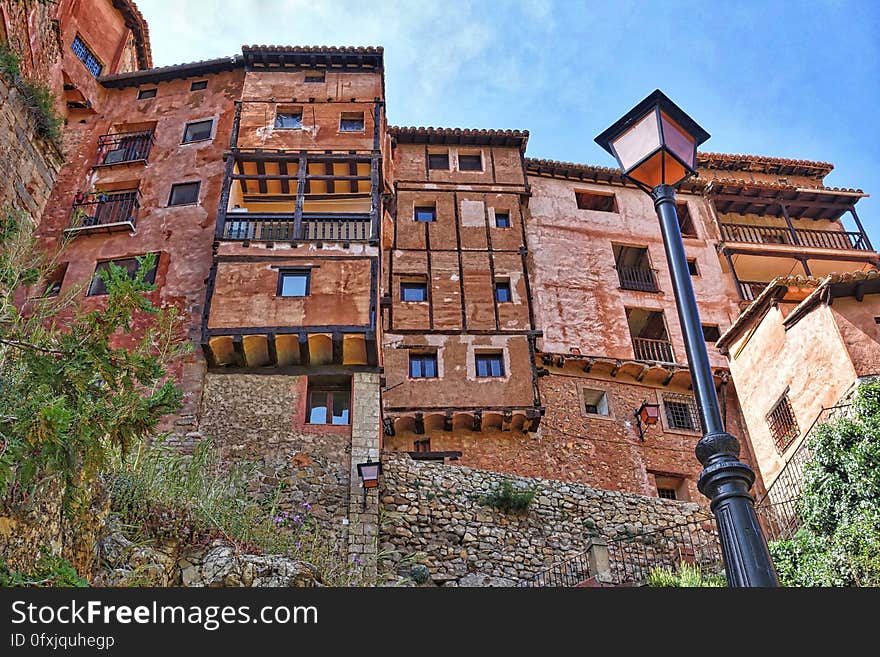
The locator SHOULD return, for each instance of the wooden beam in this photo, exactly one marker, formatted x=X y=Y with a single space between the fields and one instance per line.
x=447 y=421
x=860 y=291
x=478 y=421
x=238 y=349
x=533 y=419
x=328 y=169
x=304 y=356
x=668 y=377
x=372 y=348
x=352 y=171
x=420 y=423
x=388 y=426
x=337 y=348
x=285 y=182
x=261 y=177
x=300 y=197
x=617 y=366
x=589 y=365
x=506 y=420
x=273 y=352
x=642 y=373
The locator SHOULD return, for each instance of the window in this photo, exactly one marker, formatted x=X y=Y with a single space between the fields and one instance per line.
x=783 y=424
x=489 y=365
x=685 y=223
x=502 y=290
x=198 y=85
x=86 y=56
x=315 y=77
x=329 y=400
x=595 y=402
x=681 y=412
x=197 y=131
x=53 y=285
x=439 y=161
x=470 y=161
x=414 y=291
x=425 y=213
x=289 y=118
x=666 y=493
x=711 y=333
x=423 y=366
x=670 y=487
x=596 y=201
x=351 y=122
x=423 y=445
x=143 y=94
x=692 y=267
x=294 y=283
x=184 y=193
x=98 y=286
x=502 y=220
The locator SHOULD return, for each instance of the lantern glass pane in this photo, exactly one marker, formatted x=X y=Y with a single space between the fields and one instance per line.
x=650 y=172
x=677 y=140
x=370 y=472
x=637 y=142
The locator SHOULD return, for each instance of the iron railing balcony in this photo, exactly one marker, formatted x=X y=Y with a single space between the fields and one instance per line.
x=124 y=147
x=820 y=239
x=105 y=211
x=656 y=350
x=315 y=227
x=637 y=278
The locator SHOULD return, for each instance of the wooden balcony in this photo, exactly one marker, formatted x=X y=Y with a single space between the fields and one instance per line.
x=280 y=227
x=655 y=350
x=124 y=147
x=820 y=239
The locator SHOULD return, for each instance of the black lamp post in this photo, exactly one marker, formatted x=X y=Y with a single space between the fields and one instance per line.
x=655 y=144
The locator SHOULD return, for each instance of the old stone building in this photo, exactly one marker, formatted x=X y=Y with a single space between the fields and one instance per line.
x=356 y=289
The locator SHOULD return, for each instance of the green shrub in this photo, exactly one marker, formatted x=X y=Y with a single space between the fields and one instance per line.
x=38 y=98
x=51 y=570
x=510 y=499
x=685 y=576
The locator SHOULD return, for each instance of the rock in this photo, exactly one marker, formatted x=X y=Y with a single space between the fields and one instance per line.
x=475 y=579
x=419 y=573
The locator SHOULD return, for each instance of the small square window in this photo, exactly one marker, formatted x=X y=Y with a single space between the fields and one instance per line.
x=184 y=193
x=470 y=162
x=502 y=220
x=198 y=85
x=413 y=291
x=439 y=161
x=98 y=285
x=666 y=493
x=198 y=131
x=681 y=412
x=692 y=267
x=328 y=404
x=671 y=487
x=144 y=94
x=86 y=56
x=595 y=402
x=711 y=333
x=423 y=366
x=351 y=122
x=313 y=77
x=596 y=201
x=489 y=365
x=425 y=213
x=294 y=283
x=502 y=291
x=289 y=118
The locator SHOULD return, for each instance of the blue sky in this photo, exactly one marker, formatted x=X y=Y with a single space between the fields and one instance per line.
x=797 y=79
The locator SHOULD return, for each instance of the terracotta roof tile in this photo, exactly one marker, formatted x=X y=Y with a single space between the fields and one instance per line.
x=164 y=73
x=136 y=22
x=430 y=134
x=359 y=50
x=780 y=186
x=763 y=163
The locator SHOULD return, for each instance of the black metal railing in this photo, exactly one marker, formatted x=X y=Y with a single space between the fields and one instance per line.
x=270 y=227
x=632 y=558
x=823 y=239
x=637 y=278
x=749 y=290
x=117 y=208
x=657 y=350
x=571 y=572
x=124 y=147
x=779 y=510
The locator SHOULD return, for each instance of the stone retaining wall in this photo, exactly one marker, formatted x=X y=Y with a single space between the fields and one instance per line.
x=434 y=515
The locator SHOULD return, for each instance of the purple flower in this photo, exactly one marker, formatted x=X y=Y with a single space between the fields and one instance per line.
x=306 y=506
x=278 y=520
x=297 y=519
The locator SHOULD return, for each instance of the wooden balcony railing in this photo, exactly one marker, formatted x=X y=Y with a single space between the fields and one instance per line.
x=657 y=350
x=110 y=211
x=822 y=239
x=124 y=147
x=273 y=227
x=637 y=278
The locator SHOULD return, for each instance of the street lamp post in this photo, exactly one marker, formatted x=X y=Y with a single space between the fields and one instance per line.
x=655 y=144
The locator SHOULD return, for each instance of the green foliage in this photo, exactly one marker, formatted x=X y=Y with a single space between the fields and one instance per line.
x=38 y=98
x=51 y=570
x=510 y=499
x=839 y=542
x=160 y=493
x=69 y=398
x=685 y=576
